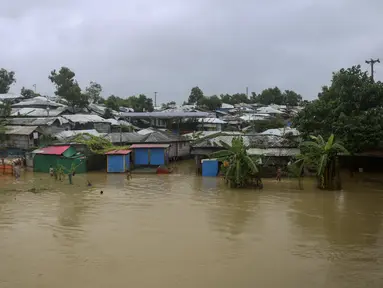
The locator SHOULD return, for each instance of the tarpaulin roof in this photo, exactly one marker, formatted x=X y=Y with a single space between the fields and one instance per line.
x=149 y=146
x=118 y=152
x=52 y=150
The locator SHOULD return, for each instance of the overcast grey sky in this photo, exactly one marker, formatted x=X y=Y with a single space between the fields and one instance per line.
x=169 y=46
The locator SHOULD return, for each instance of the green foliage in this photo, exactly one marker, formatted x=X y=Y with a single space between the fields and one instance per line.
x=168 y=105
x=28 y=93
x=108 y=113
x=3 y=129
x=211 y=103
x=196 y=96
x=242 y=168
x=263 y=125
x=97 y=145
x=93 y=92
x=113 y=102
x=350 y=108
x=140 y=103
x=5 y=109
x=7 y=78
x=276 y=96
x=322 y=156
x=235 y=98
x=68 y=88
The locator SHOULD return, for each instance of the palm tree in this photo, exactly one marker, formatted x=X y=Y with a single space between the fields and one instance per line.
x=240 y=169
x=323 y=155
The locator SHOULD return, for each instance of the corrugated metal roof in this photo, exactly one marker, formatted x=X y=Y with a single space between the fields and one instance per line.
x=281 y=131
x=38 y=101
x=84 y=118
x=36 y=121
x=227 y=106
x=211 y=121
x=146 y=131
x=216 y=141
x=254 y=117
x=125 y=137
x=71 y=133
x=37 y=112
x=9 y=96
x=165 y=115
x=118 y=152
x=52 y=150
x=115 y=122
x=268 y=110
x=281 y=152
x=149 y=146
x=100 y=110
x=20 y=130
x=200 y=134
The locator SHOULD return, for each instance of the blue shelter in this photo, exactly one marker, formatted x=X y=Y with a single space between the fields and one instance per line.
x=118 y=161
x=150 y=154
x=209 y=167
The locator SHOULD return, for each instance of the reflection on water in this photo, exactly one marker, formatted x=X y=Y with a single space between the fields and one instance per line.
x=181 y=230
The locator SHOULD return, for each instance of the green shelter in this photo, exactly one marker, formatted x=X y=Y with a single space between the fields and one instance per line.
x=55 y=156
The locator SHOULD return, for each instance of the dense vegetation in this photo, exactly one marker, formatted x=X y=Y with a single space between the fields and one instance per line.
x=69 y=89
x=322 y=156
x=266 y=97
x=351 y=108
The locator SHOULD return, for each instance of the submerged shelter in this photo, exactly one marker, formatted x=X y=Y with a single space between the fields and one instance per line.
x=118 y=161
x=150 y=154
x=65 y=156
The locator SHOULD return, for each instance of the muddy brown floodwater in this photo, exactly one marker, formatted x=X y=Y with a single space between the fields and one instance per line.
x=181 y=230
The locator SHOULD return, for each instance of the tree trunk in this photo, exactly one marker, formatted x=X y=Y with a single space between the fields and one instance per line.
x=330 y=183
x=337 y=174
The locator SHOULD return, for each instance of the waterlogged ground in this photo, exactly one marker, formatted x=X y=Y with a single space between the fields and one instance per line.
x=181 y=230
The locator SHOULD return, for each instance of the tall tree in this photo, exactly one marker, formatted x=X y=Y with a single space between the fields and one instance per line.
x=28 y=93
x=225 y=98
x=196 y=96
x=211 y=103
x=140 y=103
x=238 y=98
x=7 y=78
x=270 y=96
x=113 y=102
x=5 y=109
x=350 y=108
x=68 y=88
x=168 y=105
x=291 y=98
x=93 y=91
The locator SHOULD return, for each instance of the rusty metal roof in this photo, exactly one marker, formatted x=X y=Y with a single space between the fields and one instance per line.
x=52 y=150
x=118 y=152
x=150 y=146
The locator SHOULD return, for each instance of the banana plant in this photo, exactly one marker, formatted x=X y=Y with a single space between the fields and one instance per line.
x=240 y=167
x=323 y=156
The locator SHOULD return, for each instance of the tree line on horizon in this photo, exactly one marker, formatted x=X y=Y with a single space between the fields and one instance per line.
x=69 y=89
x=350 y=107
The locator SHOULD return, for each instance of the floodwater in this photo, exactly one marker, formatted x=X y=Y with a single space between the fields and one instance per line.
x=181 y=230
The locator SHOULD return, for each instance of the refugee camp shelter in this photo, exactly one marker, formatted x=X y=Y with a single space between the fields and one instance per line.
x=118 y=161
x=150 y=154
x=64 y=156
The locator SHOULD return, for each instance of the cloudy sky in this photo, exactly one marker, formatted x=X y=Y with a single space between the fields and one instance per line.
x=169 y=46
